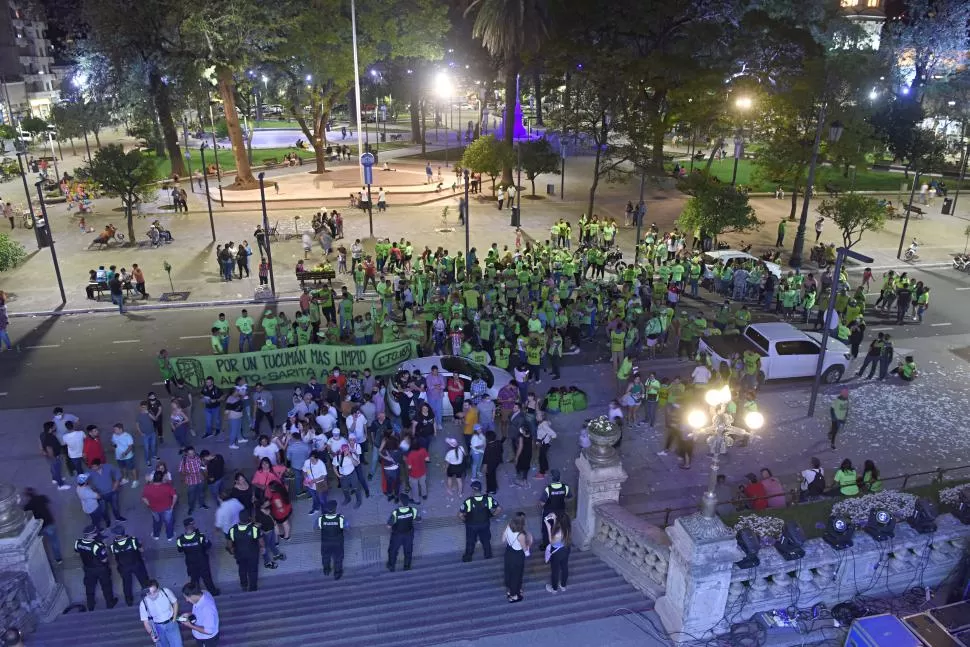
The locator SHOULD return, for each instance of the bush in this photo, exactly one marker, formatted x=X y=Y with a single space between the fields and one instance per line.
x=12 y=253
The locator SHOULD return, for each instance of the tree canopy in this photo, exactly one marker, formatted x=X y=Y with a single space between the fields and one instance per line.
x=536 y=157
x=487 y=155
x=715 y=208
x=854 y=214
x=130 y=176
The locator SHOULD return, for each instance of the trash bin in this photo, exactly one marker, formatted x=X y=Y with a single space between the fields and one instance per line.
x=550 y=189
x=515 y=217
x=41 y=232
x=947 y=206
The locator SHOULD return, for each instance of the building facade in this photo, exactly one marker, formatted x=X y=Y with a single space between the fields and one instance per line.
x=870 y=15
x=27 y=85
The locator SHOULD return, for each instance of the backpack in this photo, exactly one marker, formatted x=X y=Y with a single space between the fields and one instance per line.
x=816 y=486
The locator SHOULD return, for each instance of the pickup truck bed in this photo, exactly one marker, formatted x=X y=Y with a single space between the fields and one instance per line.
x=727 y=345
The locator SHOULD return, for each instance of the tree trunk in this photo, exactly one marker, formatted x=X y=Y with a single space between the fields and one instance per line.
x=659 y=128
x=710 y=158
x=97 y=139
x=596 y=167
x=73 y=149
x=537 y=85
x=129 y=216
x=163 y=106
x=794 y=203
x=511 y=92
x=417 y=112
x=244 y=174
x=566 y=98
x=424 y=127
x=533 y=180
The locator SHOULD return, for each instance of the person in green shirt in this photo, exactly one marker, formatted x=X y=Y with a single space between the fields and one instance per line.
x=617 y=337
x=269 y=345
x=922 y=304
x=245 y=324
x=752 y=365
x=216 y=341
x=839 y=413
x=359 y=281
x=533 y=356
x=742 y=317
x=502 y=355
x=223 y=327
x=479 y=355
x=870 y=478
x=907 y=369
x=270 y=326
x=303 y=333
x=555 y=352
x=788 y=299
x=845 y=481
x=781 y=233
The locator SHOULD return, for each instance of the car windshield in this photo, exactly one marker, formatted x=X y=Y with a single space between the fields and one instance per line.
x=468 y=368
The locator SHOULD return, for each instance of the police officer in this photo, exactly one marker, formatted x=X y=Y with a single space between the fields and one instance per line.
x=401 y=523
x=332 y=526
x=553 y=499
x=128 y=557
x=94 y=558
x=477 y=512
x=246 y=544
x=195 y=546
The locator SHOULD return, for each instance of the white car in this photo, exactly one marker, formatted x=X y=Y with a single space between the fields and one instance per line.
x=785 y=351
x=728 y=254
x=495 y=378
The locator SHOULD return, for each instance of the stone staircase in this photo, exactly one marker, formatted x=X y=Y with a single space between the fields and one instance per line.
x=441 y=601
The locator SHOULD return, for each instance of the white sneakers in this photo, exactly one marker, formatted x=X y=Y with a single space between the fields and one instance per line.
x=233 y=446
x=243 y=440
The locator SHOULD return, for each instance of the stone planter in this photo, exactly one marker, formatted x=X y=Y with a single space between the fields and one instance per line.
x=603 y=435
x=12 y=517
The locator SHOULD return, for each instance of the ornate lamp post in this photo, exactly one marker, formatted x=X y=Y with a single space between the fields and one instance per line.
x=719 y=425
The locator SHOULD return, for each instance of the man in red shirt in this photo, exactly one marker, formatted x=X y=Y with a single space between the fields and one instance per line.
x=417 y=460
x=160 y=497
x=93 y=449
x=754 y=491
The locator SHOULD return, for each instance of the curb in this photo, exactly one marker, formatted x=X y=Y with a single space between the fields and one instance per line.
x=156 y=306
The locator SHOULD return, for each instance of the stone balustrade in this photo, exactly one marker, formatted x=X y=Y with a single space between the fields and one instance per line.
x=637 y=550
x=872 y=568
x=18 y=602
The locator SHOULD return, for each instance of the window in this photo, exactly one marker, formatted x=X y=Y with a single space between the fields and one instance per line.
x=874 y=4
x=850 y=3
x=758 y=339
x=468 y=368
x=797 y=347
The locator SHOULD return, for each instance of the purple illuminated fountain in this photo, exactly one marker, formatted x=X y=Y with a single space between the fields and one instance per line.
x=519 y=131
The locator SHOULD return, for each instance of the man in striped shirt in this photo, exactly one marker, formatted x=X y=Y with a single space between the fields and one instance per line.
x=192 y=470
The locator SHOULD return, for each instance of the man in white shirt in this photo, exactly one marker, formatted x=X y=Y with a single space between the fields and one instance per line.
x=345 y=463
x=336 y=443
x=74 y=442
x=701 y=375
x=326 y=422
x=205 y=628
x=357 y=426
x=158 y=610
x=315 y=471
x=227 y=514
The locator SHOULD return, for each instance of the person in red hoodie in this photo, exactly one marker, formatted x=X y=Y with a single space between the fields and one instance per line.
x=92 y=446
x=754 y=491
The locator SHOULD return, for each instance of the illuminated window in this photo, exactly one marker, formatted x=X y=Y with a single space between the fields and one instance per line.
x=874 y=3
x=850 y=3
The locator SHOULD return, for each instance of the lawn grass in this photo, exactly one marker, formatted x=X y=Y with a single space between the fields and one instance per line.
x=812 y=517
x=865 y=179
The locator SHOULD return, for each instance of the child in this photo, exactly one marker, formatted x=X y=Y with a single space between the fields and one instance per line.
x=866 y=278
x=341 y=260
x=83 y=225
x=518 y=239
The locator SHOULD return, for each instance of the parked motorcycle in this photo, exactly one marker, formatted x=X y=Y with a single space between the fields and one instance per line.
x=912 y=254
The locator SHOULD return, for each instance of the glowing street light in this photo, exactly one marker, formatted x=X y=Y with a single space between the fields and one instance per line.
x=743 y=104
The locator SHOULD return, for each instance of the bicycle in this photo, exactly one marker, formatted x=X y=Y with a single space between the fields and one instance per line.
x=28 y=219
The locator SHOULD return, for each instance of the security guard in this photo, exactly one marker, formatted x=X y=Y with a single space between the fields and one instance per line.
x=128 y=557
x=94 y=558
x=195 y=546
x=332 y=526
x=553 y=499
x=246 y=544
x=477 y=512
x=401 y=523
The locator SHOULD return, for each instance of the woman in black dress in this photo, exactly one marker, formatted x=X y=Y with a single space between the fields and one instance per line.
x=242 y=491
x=523 y=454
x=424 y=426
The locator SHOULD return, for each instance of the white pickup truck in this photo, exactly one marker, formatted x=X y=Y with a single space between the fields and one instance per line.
x=786 y=351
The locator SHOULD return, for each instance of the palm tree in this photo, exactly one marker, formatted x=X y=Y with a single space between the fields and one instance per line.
x=510 y=29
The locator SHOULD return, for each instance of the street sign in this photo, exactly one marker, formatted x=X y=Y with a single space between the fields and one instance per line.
x=367 y=161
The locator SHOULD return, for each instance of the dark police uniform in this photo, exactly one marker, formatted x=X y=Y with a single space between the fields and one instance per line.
x=332 y=543
x=478 y=510
x=128 y=557
x=553 y=500
x=245 y=543
x=195 y=546
x=401 y=522
x=94 y=558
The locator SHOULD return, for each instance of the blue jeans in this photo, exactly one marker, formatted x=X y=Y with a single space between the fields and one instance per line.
x=111 y=499
x=149 y=442
x=166 y=517
x=78 y=464
x=693 y=288
x=477 y=458
x=247 y=418
x=181 y=434
x=97 y=517
x=270 y=546
x=435 y=404
x=319 y=500
x=55 y=543
x=213 y=489
x=245 y=340
x=5 y=339
x=651 y=412
x=235 y=430
x=119 y=300
x=55 y=465
x=213 y=420
x=196 y=495
x=169 y=634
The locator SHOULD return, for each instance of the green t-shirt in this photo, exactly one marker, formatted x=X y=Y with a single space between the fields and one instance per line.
x=616 y=341
x=270 y=326
x=847 y=482
x=216 y=342
x=533 y=354
x=502 y=356
x=347 y=307
x=245 y=325
x=222 y=326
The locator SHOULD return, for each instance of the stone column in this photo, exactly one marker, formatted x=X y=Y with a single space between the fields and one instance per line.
x=702 y=556
x=22 y=550
x=596 y=485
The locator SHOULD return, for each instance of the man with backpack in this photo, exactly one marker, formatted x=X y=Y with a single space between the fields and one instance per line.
x=813 y=482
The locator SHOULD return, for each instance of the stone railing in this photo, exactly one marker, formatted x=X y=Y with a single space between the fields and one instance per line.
x=872 y=568
x=637 y=550
x=18 y=602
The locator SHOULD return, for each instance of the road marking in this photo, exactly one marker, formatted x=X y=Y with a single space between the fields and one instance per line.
x=3 y=394
x=961 y=289
x=126 y=341
x=157 y=383
x=195 y=337
x=941 y=324
x=883 y=328
x=43 y=346
x=84 y=388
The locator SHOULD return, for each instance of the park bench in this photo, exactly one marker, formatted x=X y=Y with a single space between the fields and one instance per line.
x=316 y=276
x=99 y=289
x=914 y=210
x=832 y=190
x=270 y=162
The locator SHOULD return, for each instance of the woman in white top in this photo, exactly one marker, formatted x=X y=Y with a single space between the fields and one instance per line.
x=544 y=436
x=455 y=467
x=559 y=527
x=266 y=449
x=478 y=443
x=517 y=543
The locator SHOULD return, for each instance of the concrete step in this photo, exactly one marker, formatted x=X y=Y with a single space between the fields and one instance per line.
x=446 y=587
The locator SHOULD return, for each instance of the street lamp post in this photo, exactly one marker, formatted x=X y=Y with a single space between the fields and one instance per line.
x=963 y=166
x=468 y=267
x=57 y=173
x=743 y=104
x=835 y=133
x=215 y=153
x=208 y=198
x=269 y=253
x=643 y=178
x=720 y=426
x=188 y=155
x=444 y=90
x=50 y=240
x=23 y=176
